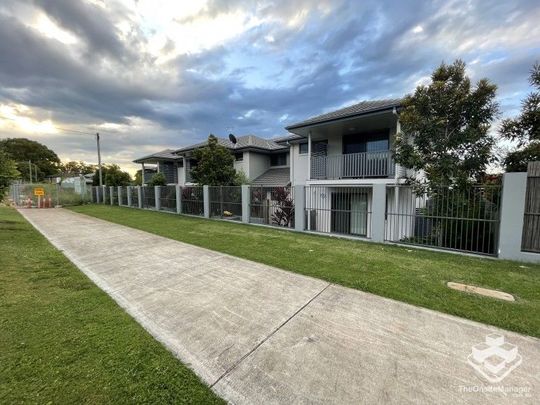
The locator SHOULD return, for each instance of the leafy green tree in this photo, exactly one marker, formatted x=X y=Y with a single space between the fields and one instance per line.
x=524 y=129
x=215 y=165
x=8 y=173
x=138 y=178
x=112 y=176
x=77 y=168
x=22 y=150
x=445 y=127
x=158 y=179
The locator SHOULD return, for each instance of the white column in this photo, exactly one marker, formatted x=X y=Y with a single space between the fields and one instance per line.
x=309 y=155
x=178 y=199
x=104 y=189
x=157 y=197
x=119 y=190
x=206 y=201
x=378 y=207
x=128 y=191
x=142 y=174
x=111 y=194
x=299 y=207
x=139 y=196
x=245 y=203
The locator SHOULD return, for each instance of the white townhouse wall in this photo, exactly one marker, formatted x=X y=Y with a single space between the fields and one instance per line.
x=256 y=164
x=299 y=165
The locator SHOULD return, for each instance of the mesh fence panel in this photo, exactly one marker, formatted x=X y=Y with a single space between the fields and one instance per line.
x=192 y=200
x=272 y=205
x=226 y=202
x=168 y=198
x=148 y=195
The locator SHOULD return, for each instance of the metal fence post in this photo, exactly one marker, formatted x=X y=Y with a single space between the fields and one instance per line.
x=299 y=207
x=128 y=191
x=178 y=199
x=139 y=197
x=119 y=191
x=111 y=192
x=206 y=201
x=157 y=197
x=378 y=207
x=245 y=203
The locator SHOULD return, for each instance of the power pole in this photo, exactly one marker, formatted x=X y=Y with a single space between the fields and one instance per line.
x=99 y=160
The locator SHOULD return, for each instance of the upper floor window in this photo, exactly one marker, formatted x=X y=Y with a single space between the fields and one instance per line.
x=239 y=156
x=279 y=159
x=303 y=148
x=372 y=142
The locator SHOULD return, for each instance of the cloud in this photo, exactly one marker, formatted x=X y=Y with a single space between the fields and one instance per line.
x=151 y=76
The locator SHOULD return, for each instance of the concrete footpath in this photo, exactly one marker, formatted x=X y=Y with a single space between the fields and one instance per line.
x=257 y=334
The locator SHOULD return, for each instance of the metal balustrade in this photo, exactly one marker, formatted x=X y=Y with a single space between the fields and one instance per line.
x=353 y=165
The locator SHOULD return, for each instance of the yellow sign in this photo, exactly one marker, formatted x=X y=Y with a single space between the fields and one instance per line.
x=39 y=191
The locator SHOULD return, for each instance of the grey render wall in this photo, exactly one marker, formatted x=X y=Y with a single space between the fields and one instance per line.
x=512 y=216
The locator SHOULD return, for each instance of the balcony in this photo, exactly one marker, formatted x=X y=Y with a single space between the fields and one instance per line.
x=353 y=166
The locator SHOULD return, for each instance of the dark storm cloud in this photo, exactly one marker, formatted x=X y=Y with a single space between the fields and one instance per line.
x=88 y=21
x=302 y=59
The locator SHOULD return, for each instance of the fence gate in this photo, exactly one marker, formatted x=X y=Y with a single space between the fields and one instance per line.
x=530 y=241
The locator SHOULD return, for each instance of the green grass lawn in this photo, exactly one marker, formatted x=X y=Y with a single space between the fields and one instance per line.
x=411 y=275
x=63 y=340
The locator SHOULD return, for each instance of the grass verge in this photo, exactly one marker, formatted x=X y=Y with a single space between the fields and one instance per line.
x=63 y=340
x=414 y=276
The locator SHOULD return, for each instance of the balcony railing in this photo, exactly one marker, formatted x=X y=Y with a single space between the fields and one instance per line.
x=353 y=166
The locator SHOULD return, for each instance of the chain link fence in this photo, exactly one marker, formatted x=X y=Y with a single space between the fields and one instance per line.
x=54 y=194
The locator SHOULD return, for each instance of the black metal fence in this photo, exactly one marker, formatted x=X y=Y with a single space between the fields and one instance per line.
x=271 y=205
x=167 y=198
x=113 y=195
x=148 y=195
x=123 y=195
x=530 y=241
x=192 y=200
x=134 y=197
x=226 y=202
x=446 y=218
x=339 y=210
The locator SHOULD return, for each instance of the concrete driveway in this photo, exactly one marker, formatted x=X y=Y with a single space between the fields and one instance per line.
x=257 y=334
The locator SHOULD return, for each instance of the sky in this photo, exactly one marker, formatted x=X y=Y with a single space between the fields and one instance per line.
x=149 y=75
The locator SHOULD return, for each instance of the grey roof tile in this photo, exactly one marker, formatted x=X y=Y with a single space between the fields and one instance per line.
x=164 y=154
x=363 y=107
x=273 y=177
x=247 y=141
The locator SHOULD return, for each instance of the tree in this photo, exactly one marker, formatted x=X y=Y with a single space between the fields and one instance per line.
x=138 y=178
x=112 y=176
x=23 y=150
x=444 y=127
x=158 y=179
x=77 y=168
x=214 y=165
x=524 y=129
x=8 y=173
